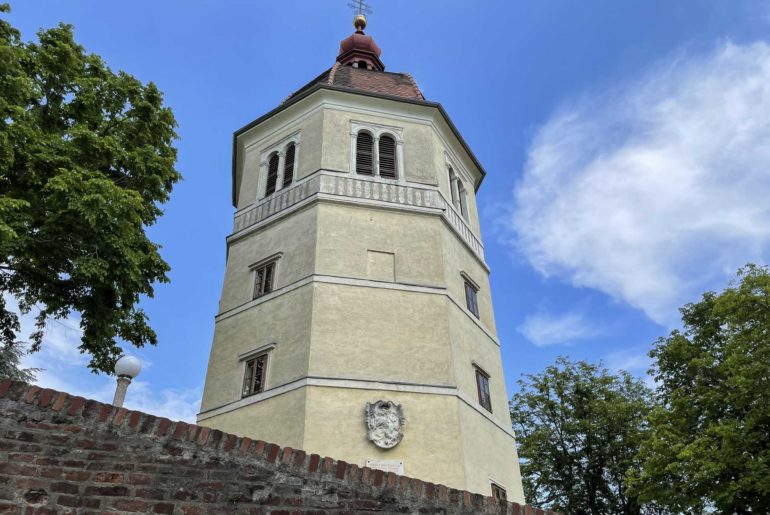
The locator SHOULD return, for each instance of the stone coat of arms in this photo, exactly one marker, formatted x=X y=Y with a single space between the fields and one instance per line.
x=385 y=420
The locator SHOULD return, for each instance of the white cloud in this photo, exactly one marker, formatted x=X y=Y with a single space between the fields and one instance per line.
x=658 y=189
x=545 y=329
x=64 y=368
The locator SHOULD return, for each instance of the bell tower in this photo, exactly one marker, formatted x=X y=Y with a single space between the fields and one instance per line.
x=356 y=317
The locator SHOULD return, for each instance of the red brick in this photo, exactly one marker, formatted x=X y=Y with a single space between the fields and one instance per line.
x=429 y=490
x=77 y=475
x=133 y=421
x=272 y=452
x=163 y=508
x=341 y=468
x=107 y=491
x=75 y=405
x=286 y=455
x=132 y=505
x=314 y=461
x=65 y=488
x=163 y=427
x=245 y=444
x=139 y=479
x=378 y=477
x=31 y=393
x=391 y=480
x=50 y=472
x=366 y=475
x=59 y=402
x=299 y=458
x=259 y=448
x=45 y=398
x=5 y=384
x=203 y=435
x=179 y=430
x=105 y=411
x=442 y=493
x=326 y=466
x=108 y=477
x=119 y=416
x=192 y=431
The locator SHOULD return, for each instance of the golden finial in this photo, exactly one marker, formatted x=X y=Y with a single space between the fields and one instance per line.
x=359 y=22
x=361 y=8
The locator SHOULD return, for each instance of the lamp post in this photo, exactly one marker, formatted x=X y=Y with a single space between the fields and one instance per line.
x=127 y=368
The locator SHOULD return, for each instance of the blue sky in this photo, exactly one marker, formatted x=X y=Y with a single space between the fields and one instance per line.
x=626 y=145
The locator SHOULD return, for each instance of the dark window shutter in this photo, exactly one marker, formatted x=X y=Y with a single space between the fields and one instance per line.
x=272 y=175
x=288 y=168
x=364 y=154
x=387 y=157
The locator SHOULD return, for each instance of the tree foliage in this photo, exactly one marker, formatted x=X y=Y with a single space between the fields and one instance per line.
x=709 y=444
x=578 y=431
x=86 y=160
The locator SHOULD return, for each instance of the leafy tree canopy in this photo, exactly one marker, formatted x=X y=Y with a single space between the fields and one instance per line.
x=578 y=429
x=86 y=160
x=709 y=445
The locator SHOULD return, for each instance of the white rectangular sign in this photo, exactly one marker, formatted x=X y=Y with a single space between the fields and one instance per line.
x=395 y=466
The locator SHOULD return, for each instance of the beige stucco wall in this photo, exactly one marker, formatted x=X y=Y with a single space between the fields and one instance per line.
x=284 y=320
x=280 y=420
x=380 y=335
x=347 y=232
x=431 y=448
x=297 y=260
x=489 y=454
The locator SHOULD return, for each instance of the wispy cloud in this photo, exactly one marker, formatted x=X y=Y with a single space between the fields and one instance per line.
x=545 y=329
x=63 y=367
x=658 y=189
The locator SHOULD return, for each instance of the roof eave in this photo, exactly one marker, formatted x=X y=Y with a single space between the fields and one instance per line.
x=304 y=94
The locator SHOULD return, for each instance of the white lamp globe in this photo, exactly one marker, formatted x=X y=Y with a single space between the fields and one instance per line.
x=128 y=366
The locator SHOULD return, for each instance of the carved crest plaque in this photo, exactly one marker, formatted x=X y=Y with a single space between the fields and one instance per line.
x=384 y=419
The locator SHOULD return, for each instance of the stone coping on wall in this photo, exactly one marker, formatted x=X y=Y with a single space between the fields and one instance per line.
x=65 y=454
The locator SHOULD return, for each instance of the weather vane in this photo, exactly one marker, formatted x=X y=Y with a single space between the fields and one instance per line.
x=360 y=7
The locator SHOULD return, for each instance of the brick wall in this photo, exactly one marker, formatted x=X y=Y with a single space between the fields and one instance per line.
x=64 y=454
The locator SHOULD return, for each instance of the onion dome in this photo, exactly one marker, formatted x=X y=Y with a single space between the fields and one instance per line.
x=359 y=50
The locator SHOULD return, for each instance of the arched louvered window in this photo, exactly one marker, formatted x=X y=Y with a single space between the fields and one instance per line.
x=288 y=167
x=272 y=175
x=364 y=154
x=387 y=157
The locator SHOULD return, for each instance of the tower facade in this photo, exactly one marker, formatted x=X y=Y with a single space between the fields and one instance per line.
x=356 y=318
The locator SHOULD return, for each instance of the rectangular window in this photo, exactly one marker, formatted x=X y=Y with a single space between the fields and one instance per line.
x=265 y=277
x=471 y=299
x=482 y=384
x=254 y=378
x=498 y=492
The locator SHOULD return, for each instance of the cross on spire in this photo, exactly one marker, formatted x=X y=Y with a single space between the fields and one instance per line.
x=360 y=7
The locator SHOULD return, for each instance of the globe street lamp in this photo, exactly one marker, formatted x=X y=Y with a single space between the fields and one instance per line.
x=127 y=368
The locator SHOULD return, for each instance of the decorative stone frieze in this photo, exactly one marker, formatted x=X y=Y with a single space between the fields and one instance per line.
x=351 y=188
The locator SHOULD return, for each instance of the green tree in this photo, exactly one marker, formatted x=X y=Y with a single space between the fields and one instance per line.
x=709 y=444
x=86 y=160
x=578 y=430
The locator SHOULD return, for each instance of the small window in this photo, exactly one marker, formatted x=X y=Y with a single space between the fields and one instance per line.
x=364 y=154
x=471 y=298
x=265 y=277
x=288 y=167
x=387 y=157
x=272 y=175
x=498 y=492
x=453 y=193
x=254 y=376
x=482 y=384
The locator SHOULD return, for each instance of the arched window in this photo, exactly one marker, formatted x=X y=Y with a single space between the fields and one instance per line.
x=364 y=154
x=463 y=199
x=387 y=157
x=272 y=175
x=453 y=188
x=288 y=167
